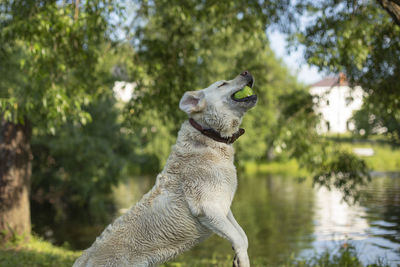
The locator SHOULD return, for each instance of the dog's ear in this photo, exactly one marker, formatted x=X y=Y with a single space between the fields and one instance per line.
x=192 y=101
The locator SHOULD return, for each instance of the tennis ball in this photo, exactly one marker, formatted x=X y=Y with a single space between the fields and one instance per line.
x=245 y=92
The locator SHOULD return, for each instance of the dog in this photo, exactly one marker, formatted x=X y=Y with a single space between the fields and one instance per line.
x=192 y=195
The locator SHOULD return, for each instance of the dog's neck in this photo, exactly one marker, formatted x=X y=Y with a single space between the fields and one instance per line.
x=216 y=136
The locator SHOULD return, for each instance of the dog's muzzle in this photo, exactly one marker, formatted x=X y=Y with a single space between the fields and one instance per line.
x=248 y=80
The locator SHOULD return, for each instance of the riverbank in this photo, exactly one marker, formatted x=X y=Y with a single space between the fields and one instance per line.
x=40 y=253
x=384 y=158
x=380 y=156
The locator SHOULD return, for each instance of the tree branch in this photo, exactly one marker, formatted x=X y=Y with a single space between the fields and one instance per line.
x=76 y=9
x=393 y=8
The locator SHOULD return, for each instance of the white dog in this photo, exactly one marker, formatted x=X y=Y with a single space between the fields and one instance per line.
x=192 y=195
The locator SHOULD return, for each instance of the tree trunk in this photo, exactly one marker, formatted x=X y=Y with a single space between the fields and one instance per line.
x=393 y=8
x=15 y=173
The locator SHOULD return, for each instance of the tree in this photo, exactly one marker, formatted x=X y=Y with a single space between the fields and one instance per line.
x=187 y=45
x=74 y=170
x=15 y=171
x=393 y=8
x=51 y=53
x=362 y=39
x=180 y=37
x=48 y=54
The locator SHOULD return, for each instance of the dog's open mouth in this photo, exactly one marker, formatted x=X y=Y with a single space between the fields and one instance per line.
x=245 y=94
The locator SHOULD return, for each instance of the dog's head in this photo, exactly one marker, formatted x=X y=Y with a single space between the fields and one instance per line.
x=216 y=107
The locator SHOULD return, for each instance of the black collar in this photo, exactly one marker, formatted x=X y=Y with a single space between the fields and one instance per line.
x=213 y=134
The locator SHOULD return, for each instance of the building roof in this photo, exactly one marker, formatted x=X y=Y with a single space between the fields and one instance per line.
x=332 y=81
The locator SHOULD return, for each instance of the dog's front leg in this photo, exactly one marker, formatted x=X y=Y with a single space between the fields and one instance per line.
x=237 y=226
x=219 y=223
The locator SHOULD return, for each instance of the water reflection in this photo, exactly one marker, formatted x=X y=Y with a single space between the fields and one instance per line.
x=372 y=226
x=335 y=219
x=382 y=205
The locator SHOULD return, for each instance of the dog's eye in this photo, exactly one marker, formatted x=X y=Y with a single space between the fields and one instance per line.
x=224 y=83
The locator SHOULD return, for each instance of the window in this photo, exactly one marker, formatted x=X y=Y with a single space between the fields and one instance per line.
x=349 y=100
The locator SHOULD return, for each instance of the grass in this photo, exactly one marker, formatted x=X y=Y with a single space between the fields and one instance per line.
x=289 y=168
x=38 y=252
x=35 y=253
x=386 y=158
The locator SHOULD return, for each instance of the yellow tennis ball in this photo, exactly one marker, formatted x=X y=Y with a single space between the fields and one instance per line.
x=245 y=92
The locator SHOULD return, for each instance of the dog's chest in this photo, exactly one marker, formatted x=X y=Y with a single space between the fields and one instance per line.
x=218 y=182
x=221 y=176
x=225 y=180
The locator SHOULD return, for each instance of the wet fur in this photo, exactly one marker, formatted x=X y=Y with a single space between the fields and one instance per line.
x=192 y=195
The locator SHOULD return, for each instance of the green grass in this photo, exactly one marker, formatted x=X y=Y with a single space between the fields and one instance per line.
x=35 y=253
x=289 y=168
x=41 y=253
x=385 y=158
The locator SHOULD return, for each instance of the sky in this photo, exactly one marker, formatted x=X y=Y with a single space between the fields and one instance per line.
x=295 y=60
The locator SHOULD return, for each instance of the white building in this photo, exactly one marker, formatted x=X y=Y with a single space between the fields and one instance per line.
x=336 y=102
x=124 y=91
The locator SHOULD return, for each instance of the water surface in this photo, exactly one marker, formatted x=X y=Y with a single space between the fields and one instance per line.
x=283 y=217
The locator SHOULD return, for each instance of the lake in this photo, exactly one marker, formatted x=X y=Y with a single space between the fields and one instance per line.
x=283 y=217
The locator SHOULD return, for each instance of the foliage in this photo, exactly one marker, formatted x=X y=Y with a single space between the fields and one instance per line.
x=371 y=120
x=296 y=134
x=360 y=39
x=155 y=137
x=60 y=68
x=345 y=255
x=81 y=162
x=273 y=81
x=179 y=41
x=205 y=43
x=386 y=158
x=60 y=63
x=296 y=138
x=49 y=59
x=208 y=42
x=344 y=171
x=366 y=123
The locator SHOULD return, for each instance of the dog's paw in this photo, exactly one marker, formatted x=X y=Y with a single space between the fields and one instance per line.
x=241 y=260
x=235 y=262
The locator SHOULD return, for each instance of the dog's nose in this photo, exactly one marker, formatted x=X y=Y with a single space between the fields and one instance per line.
x=244 y=73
